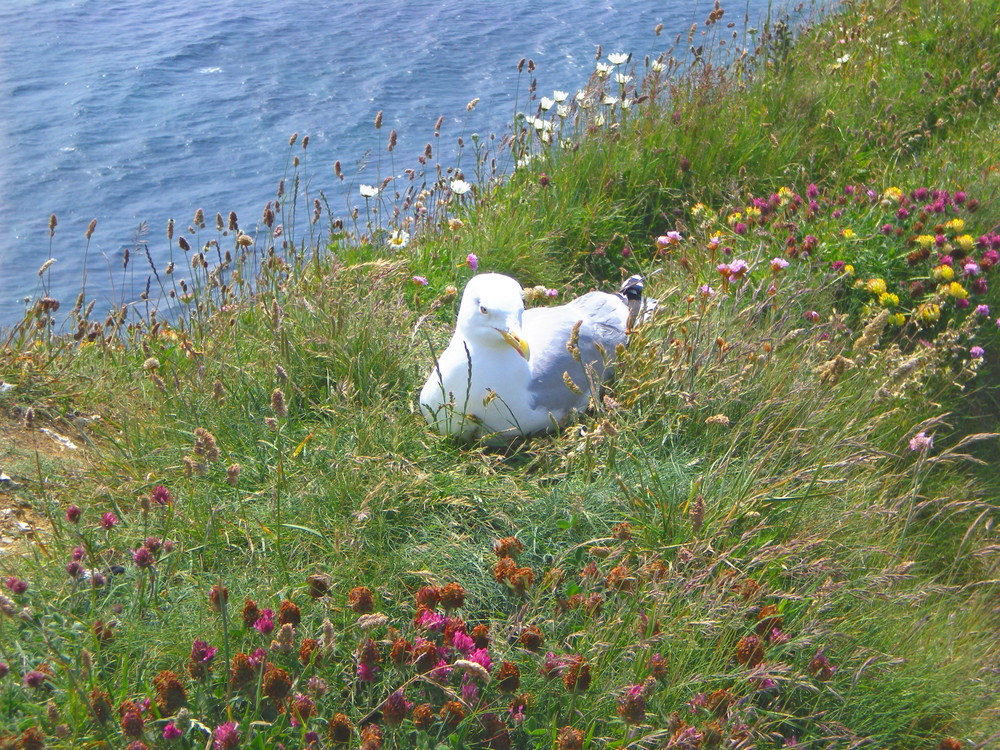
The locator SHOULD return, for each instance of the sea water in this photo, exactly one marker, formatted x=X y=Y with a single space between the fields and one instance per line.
x=133 y=112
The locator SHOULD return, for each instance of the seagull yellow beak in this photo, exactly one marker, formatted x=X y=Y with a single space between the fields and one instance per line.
x=513 y=337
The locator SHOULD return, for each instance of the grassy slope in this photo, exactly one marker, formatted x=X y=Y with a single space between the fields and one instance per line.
x=807 y=501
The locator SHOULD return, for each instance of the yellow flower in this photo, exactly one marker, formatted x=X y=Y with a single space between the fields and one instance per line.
x=893 y=194
x=943 y=273
x=929 y=312
x=897 y=319
x=888 y=299
x=956 y=225
x=956 y=290
x=698 y=209
x=848 y=270
x=785 y=196
x=965 y=242
x=876 y=286
x=847 y=233
x=926 y=241
x=752 y=213
x=734 y=217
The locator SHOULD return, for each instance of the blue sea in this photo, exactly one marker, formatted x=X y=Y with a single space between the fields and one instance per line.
x=132 y=112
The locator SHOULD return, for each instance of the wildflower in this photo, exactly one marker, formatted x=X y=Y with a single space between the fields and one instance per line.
x=925 y=240
x=264 y=623
x=369 y=191
x=340 y=729
x=897 y=319
x=569 y=739
x=956 y=290
x=888 y=299
x=472 y=261
x=749 y=651
x=577 y=676
x=420 y=280
x=199 y=663
x=965 y=242
x=531 y=638
x=970 y=268
x=226 y=736
x=977 y=352
x=73 y=514
x=170 y=695
x=108 y=521
x=452 y=713
x=618 y=58
x=132 y=722
x=546 y=103
x=276 y=683
x=921 y=442
x=876 y=286
x=34 y=678
x=399 y=239
x=143 y=557
x=302 y=707
x=361 y=600
x=289 y=613
x=982 y=310
x=218 y=597
x=943 y=273
x=820 y=666
x=171 y=731
x=706 y=291
x=395 y=708
x=250 y=613
x=778 y=264
x=16 y=585
x=460 y=187
x=928 y=313
x=812 y=316
x=455 y=224
x=160 y=495
x=632 y=704
x=452 y=596
x=4 y=669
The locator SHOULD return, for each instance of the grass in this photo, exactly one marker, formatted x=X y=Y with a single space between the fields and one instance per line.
x=740 y=548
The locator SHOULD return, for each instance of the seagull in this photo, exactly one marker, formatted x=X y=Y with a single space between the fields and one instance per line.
x=510 y=372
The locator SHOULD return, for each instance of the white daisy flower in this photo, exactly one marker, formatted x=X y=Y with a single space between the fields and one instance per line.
x=460 y=187
x=622 y=78
x=399 y=239
x=562 y=110
x=547 y=103
x=657 y=67
x=617 y=58
x=609 y=101
x=602 y=70
x=560 y=96
x=369 y=191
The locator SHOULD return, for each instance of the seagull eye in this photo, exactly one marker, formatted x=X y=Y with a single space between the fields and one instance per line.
x=483 y=310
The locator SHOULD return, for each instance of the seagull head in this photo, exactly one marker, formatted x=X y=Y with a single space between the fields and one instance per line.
x=491 y=310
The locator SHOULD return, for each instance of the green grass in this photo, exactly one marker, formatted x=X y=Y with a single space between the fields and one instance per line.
x=741 y=529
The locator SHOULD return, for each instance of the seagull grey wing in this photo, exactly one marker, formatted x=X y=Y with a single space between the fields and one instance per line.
x=603 y=320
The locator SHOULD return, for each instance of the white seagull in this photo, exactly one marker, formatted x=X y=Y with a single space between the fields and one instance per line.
x=510 y=372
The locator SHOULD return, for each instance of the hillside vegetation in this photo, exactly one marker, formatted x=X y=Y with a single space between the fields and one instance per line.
x=777 y=529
